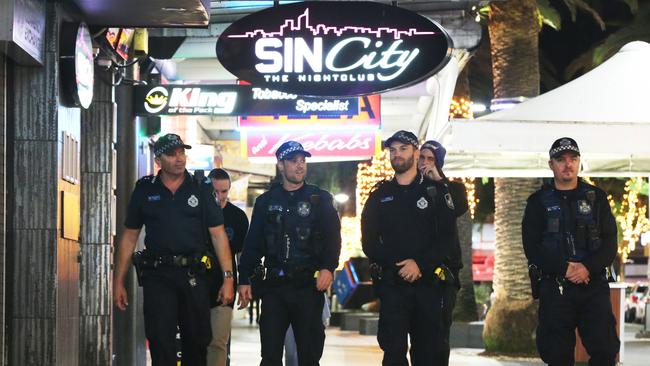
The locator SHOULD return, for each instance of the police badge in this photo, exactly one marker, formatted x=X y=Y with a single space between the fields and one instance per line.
x=193 y=201
x=422 y=203
x=584 y=208
x=449 y=201
x=304 y=208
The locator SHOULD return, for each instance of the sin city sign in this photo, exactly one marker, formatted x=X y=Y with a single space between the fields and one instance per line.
x=334 y=48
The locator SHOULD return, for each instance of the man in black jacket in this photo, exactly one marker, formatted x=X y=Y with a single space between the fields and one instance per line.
x=430 y=163
x=236 y=226
x=569 y=237
x=408 y=229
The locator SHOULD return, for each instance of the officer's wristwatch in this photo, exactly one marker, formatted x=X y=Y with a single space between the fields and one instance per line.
x=228 y=274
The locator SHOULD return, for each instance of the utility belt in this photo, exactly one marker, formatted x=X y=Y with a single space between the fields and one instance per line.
x=536 y=276
x=147 y=260
x=273 y=277
x=390 y=275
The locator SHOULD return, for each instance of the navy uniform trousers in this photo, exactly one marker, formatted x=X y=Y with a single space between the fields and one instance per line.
x=302 y=307
x=586 y=307
x=169 y=299
x=413 y=310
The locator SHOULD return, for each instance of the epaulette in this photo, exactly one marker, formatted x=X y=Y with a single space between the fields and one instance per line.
x=547 y=183
x=147 y=179
x=378 y=185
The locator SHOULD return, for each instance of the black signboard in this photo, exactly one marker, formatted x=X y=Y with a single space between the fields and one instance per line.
x=334 y=48
x=235 y=100
x=77 y=66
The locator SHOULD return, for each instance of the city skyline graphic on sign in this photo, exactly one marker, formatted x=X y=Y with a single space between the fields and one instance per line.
x=303 y=23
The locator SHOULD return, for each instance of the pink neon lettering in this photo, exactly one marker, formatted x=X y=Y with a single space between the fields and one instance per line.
x=303 y=23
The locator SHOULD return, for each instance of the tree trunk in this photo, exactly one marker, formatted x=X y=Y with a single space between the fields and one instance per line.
x=510 y=323
x=513 y=29
x=465 y=310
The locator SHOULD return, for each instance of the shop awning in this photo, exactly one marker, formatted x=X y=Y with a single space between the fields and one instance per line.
x=606 y=110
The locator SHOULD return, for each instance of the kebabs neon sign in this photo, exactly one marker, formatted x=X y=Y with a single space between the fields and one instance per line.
x=329 y=48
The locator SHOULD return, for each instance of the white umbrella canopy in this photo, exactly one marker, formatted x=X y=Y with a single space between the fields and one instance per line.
x=607 y=111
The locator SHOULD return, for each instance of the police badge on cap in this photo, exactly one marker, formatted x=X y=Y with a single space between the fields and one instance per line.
x=289 y=149
x=405 y=137
x=562 y=145
x=168 y=143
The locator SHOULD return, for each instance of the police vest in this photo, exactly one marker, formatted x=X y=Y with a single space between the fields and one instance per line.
x=577 y=242
x=291 y=236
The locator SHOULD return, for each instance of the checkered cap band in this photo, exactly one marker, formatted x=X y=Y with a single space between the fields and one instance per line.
x=563 y=144
x=167 y=143
x=289 y=148
x=563 y=148
x=404 y=137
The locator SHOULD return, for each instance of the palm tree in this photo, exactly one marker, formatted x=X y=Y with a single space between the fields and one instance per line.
x=465 y=309
x=510 y=324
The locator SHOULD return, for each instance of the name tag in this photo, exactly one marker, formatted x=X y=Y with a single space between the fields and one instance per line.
x=153 y=198
x=275 y=208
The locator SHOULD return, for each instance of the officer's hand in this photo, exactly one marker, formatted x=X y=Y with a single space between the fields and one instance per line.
x=226 y=292
x=245 y=296
x=324 y=279
x=410 y=271
x=120 y=296
x=577 y=273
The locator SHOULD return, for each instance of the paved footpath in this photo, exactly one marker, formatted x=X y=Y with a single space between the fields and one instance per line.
x=346 y=348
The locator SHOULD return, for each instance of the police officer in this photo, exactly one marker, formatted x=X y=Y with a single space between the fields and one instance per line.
x=569 y=237
x=296 y=228
x=408 y=229
x=430 y=163
x=181 y=218
x=236 y=226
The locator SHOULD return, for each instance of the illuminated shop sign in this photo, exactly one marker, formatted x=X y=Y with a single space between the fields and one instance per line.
x=232 y=100
x=77 y=67
x=323 y=145
x=368 y=116
x=334 y=48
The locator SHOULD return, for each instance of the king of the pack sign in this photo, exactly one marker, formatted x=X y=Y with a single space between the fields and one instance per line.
x=334 y=48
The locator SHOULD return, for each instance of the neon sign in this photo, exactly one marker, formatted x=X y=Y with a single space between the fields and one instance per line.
x=325 y=145
x=233 y=100
x=368 y=117
x=333 y=48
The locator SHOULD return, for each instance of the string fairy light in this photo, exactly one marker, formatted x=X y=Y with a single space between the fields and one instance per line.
x=630 y=216
x=369 y=174
x=461 y=108
x=470 y=188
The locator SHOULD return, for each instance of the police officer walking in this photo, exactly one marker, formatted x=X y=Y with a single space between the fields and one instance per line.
x=408 y=228
x=236 y=226
x=296 y=228
x=569 y=237
x=181 y=219
x=430 y=163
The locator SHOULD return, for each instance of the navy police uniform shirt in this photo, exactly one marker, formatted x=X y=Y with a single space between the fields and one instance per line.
x=415 y=221
x=534 y=225
x=326 y=217
x=173 y=221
